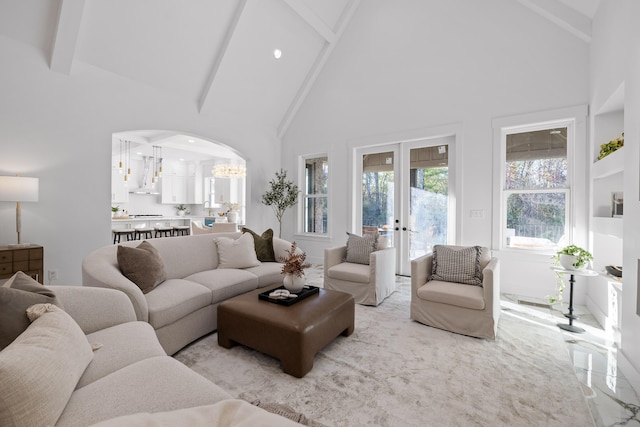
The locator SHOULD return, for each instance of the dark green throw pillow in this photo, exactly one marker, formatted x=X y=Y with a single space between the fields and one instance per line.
x=263 y=245
x=16 y=295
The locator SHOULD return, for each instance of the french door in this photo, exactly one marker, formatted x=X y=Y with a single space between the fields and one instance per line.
x=403 y=194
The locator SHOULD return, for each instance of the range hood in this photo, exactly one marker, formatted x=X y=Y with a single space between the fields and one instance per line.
x=147 y=187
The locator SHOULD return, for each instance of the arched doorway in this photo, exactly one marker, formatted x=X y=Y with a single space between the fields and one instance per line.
x=156 y=171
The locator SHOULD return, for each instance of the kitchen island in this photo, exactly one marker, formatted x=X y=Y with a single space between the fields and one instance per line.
x=151 y=221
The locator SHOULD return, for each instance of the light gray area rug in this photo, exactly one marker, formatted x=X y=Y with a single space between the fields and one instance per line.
x=396 y=372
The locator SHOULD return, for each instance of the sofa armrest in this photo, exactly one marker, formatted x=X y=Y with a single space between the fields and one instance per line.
x=420 y=271
x=491 y=285
x=333 y=256
x=100 y=269
x=95 y=308
x=383 y=265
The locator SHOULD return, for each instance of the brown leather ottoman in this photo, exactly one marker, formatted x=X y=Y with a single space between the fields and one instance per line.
x=293 y=334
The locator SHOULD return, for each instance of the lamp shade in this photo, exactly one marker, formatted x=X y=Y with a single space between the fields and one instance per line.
x=18 y=189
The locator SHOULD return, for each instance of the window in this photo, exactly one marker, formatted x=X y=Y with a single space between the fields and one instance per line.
x=316 y=195
x=536 y=189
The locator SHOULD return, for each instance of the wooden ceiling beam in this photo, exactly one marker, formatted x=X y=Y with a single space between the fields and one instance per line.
x=311 y=18
x=205 y=98
x=63 y=47
x=565 y=17
x=316 y=68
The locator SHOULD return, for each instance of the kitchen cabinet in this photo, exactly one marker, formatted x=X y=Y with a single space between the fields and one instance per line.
x=174 y=189
x=194 y=184
x=119 y=188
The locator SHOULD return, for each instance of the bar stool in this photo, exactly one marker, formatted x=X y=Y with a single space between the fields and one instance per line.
x=139 y=232
x=163 y=231
x=119 y=232
x=181 y=230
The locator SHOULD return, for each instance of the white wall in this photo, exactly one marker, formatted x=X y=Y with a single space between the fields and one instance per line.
x=615 y=59
x=407 y=66
x=58 y=128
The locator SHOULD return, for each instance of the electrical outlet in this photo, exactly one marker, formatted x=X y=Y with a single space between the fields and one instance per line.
x=477 y=213
x=53 y=275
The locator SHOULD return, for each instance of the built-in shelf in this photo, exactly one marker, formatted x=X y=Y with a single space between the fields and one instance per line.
x=610 y=165
x=607 y=225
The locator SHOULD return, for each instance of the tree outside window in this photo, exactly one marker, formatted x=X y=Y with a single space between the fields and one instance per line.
x=536 y=188
x=316 y=195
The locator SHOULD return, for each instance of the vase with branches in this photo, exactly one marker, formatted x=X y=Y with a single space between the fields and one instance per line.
x=282 y=195
x=293 y=268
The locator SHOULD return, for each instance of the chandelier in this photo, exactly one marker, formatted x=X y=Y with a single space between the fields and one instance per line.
x=229 y=171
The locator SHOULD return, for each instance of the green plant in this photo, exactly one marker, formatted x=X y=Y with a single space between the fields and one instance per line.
x=181 y=207
x=282 y=194
x=115 y=209
x=582 y=259
x=582 y=255
x=611 y=146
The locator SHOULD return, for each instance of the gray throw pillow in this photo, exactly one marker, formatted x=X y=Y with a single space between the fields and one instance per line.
x=142 y=265
x=359 y=248
x=457 y=265
x=16 y=295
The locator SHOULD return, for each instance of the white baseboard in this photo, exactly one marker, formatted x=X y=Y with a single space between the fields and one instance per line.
x=629 y=371
x=600 y=316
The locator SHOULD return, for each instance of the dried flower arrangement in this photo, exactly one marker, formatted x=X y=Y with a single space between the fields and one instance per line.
x=294 y=262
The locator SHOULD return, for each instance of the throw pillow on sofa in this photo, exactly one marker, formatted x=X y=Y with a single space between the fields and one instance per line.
x=41 y=368
x=142 y=265
x=457 y=264
x=16 y=295
x=236 y=253
x=360 y=247
x=263 y=244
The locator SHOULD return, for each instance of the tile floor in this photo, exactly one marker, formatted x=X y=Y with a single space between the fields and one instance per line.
x=611 y=398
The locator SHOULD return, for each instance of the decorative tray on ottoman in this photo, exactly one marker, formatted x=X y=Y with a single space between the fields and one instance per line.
x=307 y=291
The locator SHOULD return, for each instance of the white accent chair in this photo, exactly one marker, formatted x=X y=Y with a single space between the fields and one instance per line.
x=224 y=227
x=369 y=284
x=464 y=309
x=198 y=228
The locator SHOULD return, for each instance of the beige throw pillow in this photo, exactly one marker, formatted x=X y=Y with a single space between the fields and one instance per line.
x=40 y=369
x=16 y=294
x=142 y=265
x=236 y=253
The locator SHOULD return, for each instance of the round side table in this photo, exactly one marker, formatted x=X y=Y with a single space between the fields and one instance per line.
x=572 y=280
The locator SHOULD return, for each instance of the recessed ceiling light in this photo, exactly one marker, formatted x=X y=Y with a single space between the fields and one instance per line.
x=277 y=53
x=190 y=140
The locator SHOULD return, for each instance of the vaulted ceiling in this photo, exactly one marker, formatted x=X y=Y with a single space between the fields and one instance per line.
x=216 y=54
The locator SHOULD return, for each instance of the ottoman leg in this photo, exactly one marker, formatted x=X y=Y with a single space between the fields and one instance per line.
x=224 y=341
x=348 y=331
x=297 y=365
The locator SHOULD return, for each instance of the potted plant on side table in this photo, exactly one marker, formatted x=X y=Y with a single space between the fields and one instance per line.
x=573 y=257
x=570 y=257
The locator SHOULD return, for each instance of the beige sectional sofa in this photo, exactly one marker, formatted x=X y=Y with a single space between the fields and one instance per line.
x=184 y=306
x=93 y=362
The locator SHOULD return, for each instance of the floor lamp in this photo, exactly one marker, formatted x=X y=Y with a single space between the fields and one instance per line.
x=18 y=189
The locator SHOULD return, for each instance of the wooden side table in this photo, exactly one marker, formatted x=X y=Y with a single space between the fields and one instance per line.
x=572 y=280
x=28 y=259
